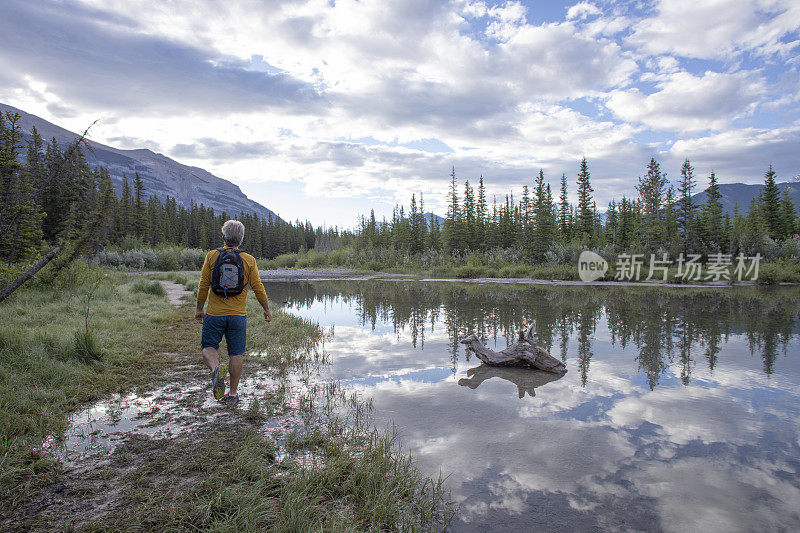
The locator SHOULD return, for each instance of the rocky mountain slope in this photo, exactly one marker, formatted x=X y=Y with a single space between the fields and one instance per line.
x=161 y=175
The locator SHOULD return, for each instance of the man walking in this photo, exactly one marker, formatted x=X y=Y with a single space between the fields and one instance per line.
x=228 y=272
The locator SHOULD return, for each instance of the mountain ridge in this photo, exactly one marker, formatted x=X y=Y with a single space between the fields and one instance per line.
x=742 y=194
x=162 y=176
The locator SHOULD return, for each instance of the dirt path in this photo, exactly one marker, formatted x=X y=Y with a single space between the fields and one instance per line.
x=176 y=293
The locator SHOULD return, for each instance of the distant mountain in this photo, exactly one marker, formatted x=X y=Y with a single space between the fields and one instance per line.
x=432 y=216
x=742 y=194
x=161 y=175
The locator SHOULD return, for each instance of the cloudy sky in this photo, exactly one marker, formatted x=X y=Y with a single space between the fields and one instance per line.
x=323 y=109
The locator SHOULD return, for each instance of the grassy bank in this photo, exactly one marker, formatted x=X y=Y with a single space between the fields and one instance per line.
x=487 y=265
x=49 y=365
x=228 y=476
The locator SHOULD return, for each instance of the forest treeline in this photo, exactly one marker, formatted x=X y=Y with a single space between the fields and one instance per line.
x=51 y=195
x=541 y=226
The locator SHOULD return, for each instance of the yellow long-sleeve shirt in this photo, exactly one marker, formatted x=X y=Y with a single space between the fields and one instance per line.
x=234 y=305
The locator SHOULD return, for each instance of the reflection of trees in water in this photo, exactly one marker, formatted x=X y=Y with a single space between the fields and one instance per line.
x=666 y=326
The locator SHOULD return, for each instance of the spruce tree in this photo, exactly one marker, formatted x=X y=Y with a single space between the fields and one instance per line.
x=125 y=219
x=482 y=213
x=685 y=210
x=770 y=204
x=712 y=214
x=452 y=224
x=612 y=223
x=564 y=211
x=141 y=223
x=20 y=215
x=585 y=214
x=788 y=216
x=651 y=190
x=470 y=218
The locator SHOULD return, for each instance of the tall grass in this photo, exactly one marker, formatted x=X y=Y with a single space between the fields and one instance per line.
x=50 y=363
x=148 y=287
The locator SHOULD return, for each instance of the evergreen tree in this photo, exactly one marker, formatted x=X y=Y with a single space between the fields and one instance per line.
x=788 y=216
x=21 y=226
x=125 y=219
x=770 y=205
x=686 y=224
x=482 y=213
x=712 y=214
x=585 y=220
x=141 y=225
x=470 y=218
x=564 y=211
x=671 y=219
x=651 y=190
x=452 y=224
x=612 y=223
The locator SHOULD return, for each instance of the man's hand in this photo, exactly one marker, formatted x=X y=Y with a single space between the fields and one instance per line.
x=267 y=315
x=199 y=315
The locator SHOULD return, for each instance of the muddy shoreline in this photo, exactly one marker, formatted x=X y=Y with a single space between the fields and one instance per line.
x=347 y=274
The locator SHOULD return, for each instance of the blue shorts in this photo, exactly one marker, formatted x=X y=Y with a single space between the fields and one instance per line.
x=234 y=327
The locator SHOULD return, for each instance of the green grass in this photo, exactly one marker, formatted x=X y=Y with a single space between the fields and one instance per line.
x=148 y=287
x=226 y=479
x=230 y=479
x=50 y=365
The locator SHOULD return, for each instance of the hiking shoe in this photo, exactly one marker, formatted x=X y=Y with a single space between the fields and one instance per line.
x=231 y=401
x=218 y=380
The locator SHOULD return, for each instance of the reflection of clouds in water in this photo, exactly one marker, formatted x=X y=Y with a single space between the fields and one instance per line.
x=642 y=446
x=720 y=454
x=715 y=494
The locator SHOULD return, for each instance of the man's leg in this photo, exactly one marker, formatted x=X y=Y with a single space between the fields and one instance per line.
x=235 y=367
x=212 y=334
x=210 y=357
x=236 y=334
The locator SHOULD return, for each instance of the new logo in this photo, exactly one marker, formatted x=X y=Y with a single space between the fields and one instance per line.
x=591 y=266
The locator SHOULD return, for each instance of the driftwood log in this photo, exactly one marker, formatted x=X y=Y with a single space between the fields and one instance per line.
x=526 y=352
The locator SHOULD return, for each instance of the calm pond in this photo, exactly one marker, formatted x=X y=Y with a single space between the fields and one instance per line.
x=679 y=410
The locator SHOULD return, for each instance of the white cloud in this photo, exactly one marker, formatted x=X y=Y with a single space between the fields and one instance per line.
x=685 y=102
x=718 y=28
x=582 y=10
x=221 y=84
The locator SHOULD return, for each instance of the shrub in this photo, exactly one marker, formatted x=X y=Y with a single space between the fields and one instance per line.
x=133 y=259
x=469 y=271
x=192 y=258
x=285 y=261
x=167 y=259
x=148 y=287
x=191 y=285
x=311 y=259
x=74 y=274
x=515 y=271
x=107 y=258
x=374 y=265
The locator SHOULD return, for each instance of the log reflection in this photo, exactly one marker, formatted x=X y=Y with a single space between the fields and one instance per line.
x=525 y=379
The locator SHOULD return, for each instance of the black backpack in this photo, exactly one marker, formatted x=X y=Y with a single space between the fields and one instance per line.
x=227 y=278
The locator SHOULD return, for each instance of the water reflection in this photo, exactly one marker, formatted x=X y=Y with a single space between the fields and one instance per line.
x=663 y=325
x=679 y=410
x=525 y=379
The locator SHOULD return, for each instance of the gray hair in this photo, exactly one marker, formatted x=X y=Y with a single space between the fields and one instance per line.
x=233 y=233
